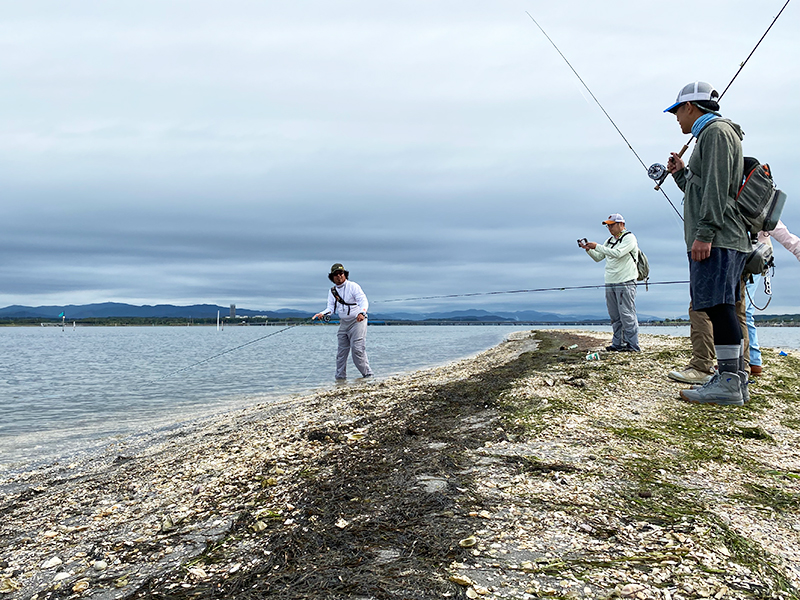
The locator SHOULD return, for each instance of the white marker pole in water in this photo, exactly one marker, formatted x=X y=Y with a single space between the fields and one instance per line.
x=217 y=320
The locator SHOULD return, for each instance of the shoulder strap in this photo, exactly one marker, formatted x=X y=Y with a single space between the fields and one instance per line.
x=635 y=252
x=339 y=299
x=617 y=240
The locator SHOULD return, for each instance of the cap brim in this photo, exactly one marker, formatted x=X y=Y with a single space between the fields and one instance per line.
x=608 y=222
x=673 y=107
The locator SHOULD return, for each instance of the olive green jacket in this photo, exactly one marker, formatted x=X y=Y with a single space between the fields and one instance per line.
x=710 y=183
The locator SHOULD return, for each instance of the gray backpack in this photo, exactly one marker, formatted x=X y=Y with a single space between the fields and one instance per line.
x=760 y=202
x=642 y=264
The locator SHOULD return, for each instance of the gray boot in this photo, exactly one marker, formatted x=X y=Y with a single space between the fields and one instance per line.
x=744 y=378
x=724 y=388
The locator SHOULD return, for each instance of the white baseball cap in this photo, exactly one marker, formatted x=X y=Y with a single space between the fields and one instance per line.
x=693 y=92
x=615 y=218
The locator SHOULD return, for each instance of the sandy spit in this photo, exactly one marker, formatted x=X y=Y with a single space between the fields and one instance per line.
x=524 y=472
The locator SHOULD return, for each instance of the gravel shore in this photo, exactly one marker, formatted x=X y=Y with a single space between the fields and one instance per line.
x=527 y=471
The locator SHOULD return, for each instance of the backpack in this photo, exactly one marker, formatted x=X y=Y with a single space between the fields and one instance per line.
x=759 y=201
x=642 y=264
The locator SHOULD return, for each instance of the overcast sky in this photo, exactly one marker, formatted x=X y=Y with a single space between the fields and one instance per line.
x=230 y=152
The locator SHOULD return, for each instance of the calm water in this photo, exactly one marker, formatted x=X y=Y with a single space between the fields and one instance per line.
x=79 y=390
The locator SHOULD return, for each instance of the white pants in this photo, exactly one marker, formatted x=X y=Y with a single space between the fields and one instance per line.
x=352 y=335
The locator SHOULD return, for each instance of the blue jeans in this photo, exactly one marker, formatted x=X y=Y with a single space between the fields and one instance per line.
x=755 y=349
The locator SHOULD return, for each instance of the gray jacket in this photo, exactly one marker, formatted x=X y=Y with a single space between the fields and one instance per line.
x=710 y=183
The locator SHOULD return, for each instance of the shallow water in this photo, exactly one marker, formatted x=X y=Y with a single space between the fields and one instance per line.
x=68 y=390
x=78 y=390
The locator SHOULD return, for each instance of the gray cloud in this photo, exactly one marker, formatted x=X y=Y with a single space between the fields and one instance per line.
x=192 y=151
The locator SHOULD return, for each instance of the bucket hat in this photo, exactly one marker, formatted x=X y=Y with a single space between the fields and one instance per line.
x=336 y=268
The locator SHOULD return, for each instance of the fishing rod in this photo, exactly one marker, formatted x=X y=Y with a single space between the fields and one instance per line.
x=210 y=358
x=657 y=171
x=327 y=318
x=552 y=289
x=636 y=154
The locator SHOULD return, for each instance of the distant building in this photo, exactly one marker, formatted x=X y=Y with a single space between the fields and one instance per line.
x=233 y=311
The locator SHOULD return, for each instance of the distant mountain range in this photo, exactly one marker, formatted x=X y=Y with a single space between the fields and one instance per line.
x=209 y=311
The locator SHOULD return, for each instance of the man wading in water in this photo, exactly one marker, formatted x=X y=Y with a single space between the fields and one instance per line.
x=347 y=299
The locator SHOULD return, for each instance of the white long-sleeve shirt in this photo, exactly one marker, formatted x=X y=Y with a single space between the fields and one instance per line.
x=620 y=261
x=350 y=292
x=784 y=237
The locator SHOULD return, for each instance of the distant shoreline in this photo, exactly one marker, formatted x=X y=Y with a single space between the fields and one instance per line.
x=766 y=321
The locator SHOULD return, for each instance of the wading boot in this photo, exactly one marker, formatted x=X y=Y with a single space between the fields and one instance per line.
x=745 y=381
x=724 y=388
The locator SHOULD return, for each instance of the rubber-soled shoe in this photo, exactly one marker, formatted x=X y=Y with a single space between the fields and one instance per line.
x=755 y=370
x=615 y=349
x=724 y=389
x=690 y=375
x=744 y=380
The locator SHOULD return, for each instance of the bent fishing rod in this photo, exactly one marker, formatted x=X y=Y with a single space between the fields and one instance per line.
x=327 y=318
x=210 y=358
x=657 y=171
x=622 y=135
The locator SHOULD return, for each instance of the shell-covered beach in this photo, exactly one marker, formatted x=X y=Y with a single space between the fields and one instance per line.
x=524 y=472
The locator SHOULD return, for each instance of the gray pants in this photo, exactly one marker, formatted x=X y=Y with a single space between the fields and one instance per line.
x=621 y=304
x=352 y=335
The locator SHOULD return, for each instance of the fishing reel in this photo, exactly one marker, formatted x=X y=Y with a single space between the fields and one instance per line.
x=658 y=173
x=326 y=318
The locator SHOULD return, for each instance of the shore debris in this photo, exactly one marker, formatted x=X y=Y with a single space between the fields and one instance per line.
x=524 y=472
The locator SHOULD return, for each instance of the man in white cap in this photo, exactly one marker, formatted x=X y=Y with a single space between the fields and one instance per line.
x=347 y=299
x=620 y=252
x=716 y=236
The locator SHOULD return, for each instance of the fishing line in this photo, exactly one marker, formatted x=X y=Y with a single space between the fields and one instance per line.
x=636 y=154
x=552 y=289
x=657 y=171
x=754 y=49
x=320 y=345
x=210 y=358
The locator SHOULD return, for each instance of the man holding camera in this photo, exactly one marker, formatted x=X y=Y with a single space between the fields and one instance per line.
x=620 y=252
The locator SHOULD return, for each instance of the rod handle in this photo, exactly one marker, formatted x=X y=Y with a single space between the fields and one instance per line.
x=680 y=155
